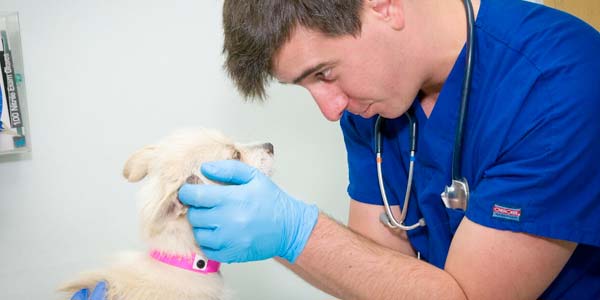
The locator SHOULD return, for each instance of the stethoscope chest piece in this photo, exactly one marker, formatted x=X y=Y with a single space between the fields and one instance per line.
x=456 y=196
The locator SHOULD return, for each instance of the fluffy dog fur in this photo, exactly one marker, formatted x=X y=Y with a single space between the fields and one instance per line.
x=164 y=226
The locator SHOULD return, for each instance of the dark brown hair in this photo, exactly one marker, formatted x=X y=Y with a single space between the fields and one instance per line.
x=256 y=29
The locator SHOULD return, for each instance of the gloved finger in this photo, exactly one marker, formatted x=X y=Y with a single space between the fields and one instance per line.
x=207 y=218
x=99 y=292
x=80 y=295
x=216 y=255
x=208 y=238
x=228 y=171
x=204 y=195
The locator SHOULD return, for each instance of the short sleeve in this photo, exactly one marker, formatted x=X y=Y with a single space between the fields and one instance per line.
x=362 y=172
x=546 y=179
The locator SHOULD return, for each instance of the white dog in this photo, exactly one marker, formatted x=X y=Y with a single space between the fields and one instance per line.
x=173 y=267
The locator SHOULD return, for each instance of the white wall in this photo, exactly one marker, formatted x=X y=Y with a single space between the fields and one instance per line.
x=104 y=78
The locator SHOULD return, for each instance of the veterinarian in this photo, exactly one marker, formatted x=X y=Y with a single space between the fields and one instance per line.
x=525 y=218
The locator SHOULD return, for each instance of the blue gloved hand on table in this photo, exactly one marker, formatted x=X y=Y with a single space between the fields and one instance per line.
x=248 y=219
x=99 y=293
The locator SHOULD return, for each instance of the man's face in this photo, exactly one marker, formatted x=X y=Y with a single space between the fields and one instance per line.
x=366 y=75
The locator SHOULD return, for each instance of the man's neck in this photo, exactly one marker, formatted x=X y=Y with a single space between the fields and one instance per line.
x=446 y=43
x=428 y=102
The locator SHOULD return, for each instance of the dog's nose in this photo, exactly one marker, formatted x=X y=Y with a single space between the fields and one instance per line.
x=269 y=148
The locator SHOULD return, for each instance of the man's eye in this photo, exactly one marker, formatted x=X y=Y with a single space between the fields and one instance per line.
x=324 y=75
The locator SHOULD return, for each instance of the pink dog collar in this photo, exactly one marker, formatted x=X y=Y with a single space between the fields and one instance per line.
x=192 y=262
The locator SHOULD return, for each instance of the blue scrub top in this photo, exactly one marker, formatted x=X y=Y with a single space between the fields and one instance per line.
x=532 y=138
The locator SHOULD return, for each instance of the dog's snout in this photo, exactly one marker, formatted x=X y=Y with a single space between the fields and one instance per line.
x=269 y=147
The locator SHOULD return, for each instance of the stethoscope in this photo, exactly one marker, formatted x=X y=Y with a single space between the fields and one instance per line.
x=455 y=196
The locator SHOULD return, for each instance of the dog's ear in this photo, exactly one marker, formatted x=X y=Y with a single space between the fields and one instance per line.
x=136 y=166
x=194 y=179
x=176 y=208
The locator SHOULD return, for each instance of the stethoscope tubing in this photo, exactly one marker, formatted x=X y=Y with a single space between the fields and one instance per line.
x=466 y=87
x=389 y=218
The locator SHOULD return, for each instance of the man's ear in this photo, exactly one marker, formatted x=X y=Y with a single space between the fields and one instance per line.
x=391 y=11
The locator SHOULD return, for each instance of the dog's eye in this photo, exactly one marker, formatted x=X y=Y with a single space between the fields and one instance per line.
x=237 y=155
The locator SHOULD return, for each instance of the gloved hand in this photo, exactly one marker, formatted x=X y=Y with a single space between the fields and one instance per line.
x=99 y=293
x=249 y=219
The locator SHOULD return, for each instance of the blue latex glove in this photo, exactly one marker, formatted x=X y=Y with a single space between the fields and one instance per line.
x=249 y=219
x=99 y=293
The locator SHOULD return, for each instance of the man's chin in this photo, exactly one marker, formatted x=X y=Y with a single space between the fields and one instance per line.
x=387 y=115
x=367 y=115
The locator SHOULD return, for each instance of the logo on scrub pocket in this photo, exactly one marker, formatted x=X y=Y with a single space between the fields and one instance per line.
x=507 y=213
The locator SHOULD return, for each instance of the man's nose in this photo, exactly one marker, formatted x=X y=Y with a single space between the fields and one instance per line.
x=331 y=102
